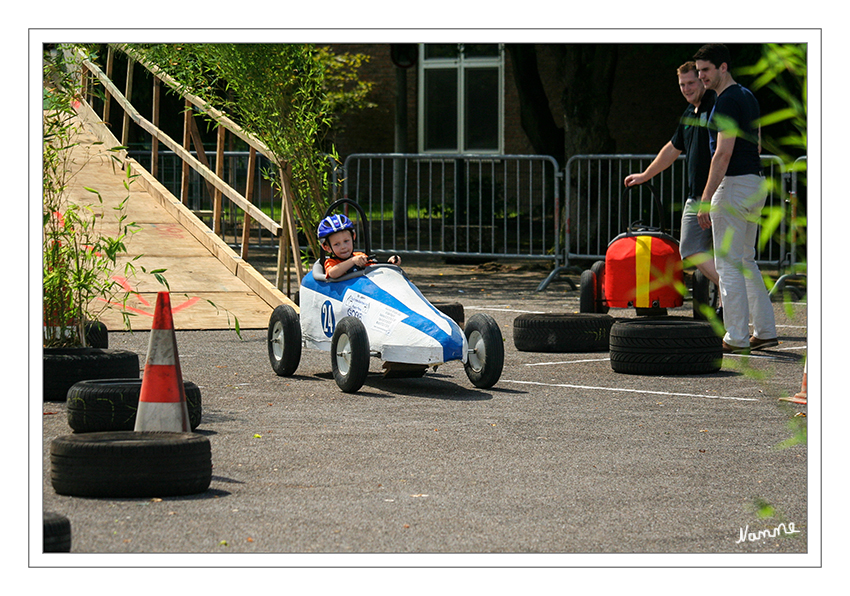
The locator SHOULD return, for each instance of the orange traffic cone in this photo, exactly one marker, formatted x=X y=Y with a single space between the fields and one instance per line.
x=162 y=400
x=802 y=396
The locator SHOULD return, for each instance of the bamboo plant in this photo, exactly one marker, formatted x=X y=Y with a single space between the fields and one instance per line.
x=79 y=259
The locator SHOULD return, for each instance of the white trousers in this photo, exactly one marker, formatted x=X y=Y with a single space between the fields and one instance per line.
x=735 y=211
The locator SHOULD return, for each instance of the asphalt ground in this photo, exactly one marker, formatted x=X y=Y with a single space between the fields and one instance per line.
x=563 y=457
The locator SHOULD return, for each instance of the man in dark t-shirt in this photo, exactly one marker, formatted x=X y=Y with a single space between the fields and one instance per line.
x=740 y=109
x=732 y=202
x=690 y=138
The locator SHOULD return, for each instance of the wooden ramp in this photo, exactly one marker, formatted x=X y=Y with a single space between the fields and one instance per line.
x=211 y=286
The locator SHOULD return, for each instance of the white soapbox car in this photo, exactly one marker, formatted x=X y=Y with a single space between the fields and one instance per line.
x=377 y=312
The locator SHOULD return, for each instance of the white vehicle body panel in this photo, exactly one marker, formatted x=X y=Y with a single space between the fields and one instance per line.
x=402 y=325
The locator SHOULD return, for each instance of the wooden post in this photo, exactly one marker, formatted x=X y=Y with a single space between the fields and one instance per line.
x=128 y=93
x=84 y=84
x=198 y=143
x=157 y=91
x=110 y=59
x=219 y=171
x=287 y=222
x=283 y=255
x=184 y=178
x=249 y=194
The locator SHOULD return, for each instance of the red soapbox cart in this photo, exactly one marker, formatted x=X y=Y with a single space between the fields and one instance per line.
x=642 y=270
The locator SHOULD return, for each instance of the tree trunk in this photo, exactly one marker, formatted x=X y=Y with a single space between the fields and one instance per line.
x=588 y=72
x=535 y=116
x=588 y=84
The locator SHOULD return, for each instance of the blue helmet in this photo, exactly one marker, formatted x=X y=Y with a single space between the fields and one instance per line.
x=334 y=223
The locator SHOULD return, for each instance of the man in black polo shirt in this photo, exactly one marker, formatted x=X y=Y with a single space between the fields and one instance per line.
x=690 y=138
x=736 y=193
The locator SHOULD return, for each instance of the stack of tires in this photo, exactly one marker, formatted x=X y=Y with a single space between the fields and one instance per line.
x=664 y=345
x=106 y=457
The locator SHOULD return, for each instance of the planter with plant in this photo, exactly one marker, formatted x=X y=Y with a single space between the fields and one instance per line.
x=79 y=257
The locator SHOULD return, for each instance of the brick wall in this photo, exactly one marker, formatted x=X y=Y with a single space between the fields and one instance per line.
x=646 y=102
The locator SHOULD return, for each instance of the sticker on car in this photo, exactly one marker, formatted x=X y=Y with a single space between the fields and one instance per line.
x=328 y=318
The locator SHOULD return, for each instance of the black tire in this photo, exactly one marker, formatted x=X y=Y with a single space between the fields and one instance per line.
x=486 y=357
x=560 y=333
x=63 y=367
x=128 y=464
x=453 y=310
x=350 y=354
x=665 y=346
x=598 y=269
x=57 y=533
x=284 y=339
x=588 y=300
x=110 y=404
x=704 y=294
x=97 y=335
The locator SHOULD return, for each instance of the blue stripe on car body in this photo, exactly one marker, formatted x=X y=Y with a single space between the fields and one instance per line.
x=452 y=343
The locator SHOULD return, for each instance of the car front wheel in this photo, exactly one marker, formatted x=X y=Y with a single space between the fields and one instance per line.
x=350 y=354
x=486 y=356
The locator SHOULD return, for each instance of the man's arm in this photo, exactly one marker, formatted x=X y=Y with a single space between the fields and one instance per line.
x=662 y=161
x=719 y=165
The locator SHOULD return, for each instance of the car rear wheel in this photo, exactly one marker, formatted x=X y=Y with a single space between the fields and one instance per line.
x=453 y=310
x=284 y=337
x=591 y=289
x=350 y=354
x=486 y=356
x=587 y=292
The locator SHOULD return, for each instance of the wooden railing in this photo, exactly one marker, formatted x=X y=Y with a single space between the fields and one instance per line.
x=285 y=230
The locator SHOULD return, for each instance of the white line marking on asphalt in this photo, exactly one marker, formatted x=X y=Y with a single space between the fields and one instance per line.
x=567 y=362
x=751 y=355
x=628 y=390
x=505 y=308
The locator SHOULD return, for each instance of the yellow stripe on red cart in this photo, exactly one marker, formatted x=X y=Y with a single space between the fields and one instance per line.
x=643 y=265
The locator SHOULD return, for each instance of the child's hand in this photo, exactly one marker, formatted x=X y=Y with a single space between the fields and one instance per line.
x=395 y=260
x=360 y=260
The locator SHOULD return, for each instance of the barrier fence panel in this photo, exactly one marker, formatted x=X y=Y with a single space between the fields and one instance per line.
x=797 y=198
x=597 y=209
x=504 y=206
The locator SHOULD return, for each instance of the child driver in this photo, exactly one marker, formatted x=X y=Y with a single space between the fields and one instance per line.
x=336 y=233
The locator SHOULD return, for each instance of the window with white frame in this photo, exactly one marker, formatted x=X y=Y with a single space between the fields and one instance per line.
x=461 y=105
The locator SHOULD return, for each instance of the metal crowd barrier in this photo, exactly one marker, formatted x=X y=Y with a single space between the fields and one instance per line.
x=593 y=201
x=504 y=206
x=595 y=208
x=485 y=206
